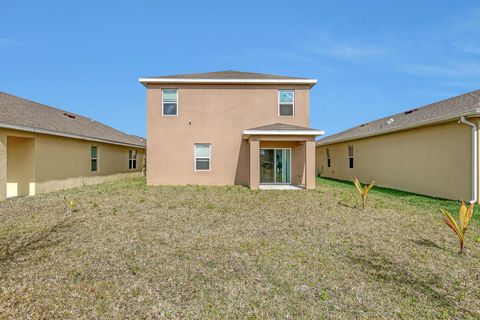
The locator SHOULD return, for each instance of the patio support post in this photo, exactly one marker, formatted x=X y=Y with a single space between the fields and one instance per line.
x=310 y=164
x=254 y=164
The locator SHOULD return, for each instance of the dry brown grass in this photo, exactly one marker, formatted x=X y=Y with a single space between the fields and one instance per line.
x=226 y=252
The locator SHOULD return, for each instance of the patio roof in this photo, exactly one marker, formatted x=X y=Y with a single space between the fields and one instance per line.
x=282 y=129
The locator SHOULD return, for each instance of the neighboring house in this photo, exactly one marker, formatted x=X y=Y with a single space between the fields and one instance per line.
x=431 y=150
x=225 y=128
x=44 y=149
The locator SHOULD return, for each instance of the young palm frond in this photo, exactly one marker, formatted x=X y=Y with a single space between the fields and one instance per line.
x=363 y=191
x=460 y=229
x=70 y=204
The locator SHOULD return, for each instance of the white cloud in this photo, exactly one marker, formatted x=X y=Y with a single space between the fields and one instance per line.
x=460 y=84
x=353 y=50
x=467 y=69
x=468 y=47
x=8 y=43
x=469 y=21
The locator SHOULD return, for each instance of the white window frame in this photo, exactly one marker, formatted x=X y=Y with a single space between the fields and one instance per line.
x=293 y=103
x=170 y=115
x=351 y=156
x=97 y=158
x=195 y=157
x=329 y=159
x=132 y=158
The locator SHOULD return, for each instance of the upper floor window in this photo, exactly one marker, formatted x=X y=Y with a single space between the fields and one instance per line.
x=350 y=157
x=286 y=102
x=169 y=102
x=94 y=158
x=329 y=163
x=132 y=159
x=203 y=156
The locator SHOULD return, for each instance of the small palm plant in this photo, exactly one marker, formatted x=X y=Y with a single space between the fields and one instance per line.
x=70 y=204
x=363 y=191
x=460 y=229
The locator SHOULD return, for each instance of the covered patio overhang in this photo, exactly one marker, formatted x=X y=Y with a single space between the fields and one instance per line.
x=282 y=154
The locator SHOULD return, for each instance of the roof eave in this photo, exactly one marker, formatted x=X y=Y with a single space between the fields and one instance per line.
x=471 y=113
x=247 y=133
x=146 y=81
x=66 y=135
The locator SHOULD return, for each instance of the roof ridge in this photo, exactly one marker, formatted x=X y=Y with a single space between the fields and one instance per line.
x=422 y=107
x=456 y=102
x=242 y=75
x=16 y=110
x=42 y=104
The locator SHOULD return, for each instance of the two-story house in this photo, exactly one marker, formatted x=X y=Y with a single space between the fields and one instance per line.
x=225 y=128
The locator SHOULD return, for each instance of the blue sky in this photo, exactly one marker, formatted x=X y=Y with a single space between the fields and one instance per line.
x=371 y=58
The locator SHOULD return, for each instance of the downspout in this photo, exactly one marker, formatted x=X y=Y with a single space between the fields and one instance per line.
x=474 y=157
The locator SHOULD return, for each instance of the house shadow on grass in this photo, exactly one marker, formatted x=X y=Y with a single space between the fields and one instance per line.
x=17 y=246
x=407 y=197
x=388 y=191
x=343 y=204
x=400 y=277
x=427 y=243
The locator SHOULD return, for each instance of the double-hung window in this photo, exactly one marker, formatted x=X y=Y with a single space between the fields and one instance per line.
x=170 y=102
x=350 y=157
x=203 y=157
x=329 y=163
x=286 y=103
x=94 y=158
x=132 y=159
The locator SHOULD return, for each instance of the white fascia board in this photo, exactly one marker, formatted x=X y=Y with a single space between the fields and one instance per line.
x=470 y=113
x=284 y=132
x=65 y=135
x=220 y=81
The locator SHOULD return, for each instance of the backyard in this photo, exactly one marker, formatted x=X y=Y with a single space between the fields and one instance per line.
x=131 y=251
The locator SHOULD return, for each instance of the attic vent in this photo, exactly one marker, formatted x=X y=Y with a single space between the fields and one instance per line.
x=410 y=111
x=69 y=115
x=363 y=125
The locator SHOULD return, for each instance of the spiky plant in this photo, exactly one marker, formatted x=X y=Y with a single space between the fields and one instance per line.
x=460 y=229
x=363 y=190
x=70 y=204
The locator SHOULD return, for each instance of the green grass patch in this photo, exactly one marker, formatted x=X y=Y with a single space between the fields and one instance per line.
x=196 y=252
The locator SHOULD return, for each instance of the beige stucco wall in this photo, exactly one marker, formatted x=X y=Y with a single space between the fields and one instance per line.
x=434 y=160
x=3 y=165
x=62 y=163
x=20 y=166
x=215 y=114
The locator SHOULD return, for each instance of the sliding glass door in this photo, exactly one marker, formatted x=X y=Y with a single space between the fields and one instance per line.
x=275 y=165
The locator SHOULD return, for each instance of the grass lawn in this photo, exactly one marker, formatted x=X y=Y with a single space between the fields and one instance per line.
x=132 y=251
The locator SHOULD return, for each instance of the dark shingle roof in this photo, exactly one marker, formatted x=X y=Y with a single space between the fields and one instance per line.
x=282 y=126
x=229 y=74
x=16 y=112
x=436 y=112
